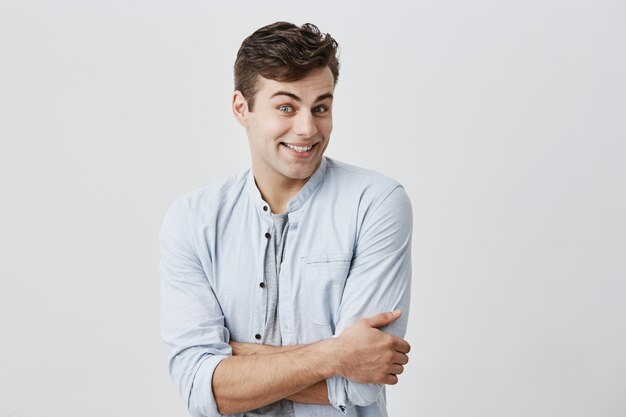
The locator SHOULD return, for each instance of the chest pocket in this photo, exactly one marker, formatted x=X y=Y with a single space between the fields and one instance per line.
x=323 y=281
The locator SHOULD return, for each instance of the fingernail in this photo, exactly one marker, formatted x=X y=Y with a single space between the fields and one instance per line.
x=396 y=312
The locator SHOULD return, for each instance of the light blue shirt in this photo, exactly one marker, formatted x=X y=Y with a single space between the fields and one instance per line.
x=348 y=256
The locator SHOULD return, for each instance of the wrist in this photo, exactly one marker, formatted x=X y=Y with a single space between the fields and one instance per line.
x=334 y=361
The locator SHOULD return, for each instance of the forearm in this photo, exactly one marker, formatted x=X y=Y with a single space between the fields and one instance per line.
x=314 y=394
x=243 y=349
x=247 y=381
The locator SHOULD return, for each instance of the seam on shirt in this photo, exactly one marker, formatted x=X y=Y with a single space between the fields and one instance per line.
x=373 y=212
x=386 y=197
x=326 y=258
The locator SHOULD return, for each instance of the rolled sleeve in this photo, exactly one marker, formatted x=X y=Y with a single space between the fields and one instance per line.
x=343 y=393
x=192 y=323
x=201 y=399
x=379 y=280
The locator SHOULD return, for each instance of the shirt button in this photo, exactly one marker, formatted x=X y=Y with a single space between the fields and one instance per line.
x=267 y=235
x=264 y=208
x=257 y=336
x=262 y=285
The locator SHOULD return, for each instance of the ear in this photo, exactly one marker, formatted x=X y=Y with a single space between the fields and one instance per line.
x=240 y=108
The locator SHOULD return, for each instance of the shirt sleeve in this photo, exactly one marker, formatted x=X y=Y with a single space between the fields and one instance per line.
x=192 y=323
x=379 y=280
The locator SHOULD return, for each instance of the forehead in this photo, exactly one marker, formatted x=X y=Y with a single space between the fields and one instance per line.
x=316 y=83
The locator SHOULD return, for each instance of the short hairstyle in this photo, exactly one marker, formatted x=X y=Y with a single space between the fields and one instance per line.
x=283 y=52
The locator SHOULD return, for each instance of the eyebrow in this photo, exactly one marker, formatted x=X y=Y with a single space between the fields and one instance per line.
x=298 y=99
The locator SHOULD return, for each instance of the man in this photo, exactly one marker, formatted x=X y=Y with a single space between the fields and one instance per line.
x=285 y=289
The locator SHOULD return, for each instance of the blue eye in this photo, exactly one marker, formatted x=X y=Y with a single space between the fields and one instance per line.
x=320 y=109
x=285 y=108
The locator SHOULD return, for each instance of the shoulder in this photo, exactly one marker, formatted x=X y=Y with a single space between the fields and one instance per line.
x=356 y=182
x=352 y=174
x=211 y=198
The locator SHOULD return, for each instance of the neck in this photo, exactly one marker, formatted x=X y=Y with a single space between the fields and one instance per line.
x=277 y=190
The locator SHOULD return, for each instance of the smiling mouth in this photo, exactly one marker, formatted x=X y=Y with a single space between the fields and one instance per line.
x=300 y=149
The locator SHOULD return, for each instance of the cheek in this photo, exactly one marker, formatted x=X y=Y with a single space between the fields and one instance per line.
x=265 y=125
x=325 y=126
x=276 y=128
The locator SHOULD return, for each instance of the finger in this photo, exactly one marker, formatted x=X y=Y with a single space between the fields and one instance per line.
x=402 y=345
x=400 y=358
x=390 y=379
x=396 y=369
x=383 y=319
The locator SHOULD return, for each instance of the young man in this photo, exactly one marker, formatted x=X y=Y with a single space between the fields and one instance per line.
x=285 y=289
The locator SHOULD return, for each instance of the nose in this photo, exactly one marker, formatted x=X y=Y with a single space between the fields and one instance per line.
x=304 y=125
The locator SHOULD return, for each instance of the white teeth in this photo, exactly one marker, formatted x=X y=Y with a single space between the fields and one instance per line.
x=299 y=148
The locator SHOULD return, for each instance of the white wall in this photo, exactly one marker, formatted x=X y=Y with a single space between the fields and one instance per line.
x=504 y=121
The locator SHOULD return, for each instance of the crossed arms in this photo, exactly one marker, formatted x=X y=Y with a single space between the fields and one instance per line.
x=216 y=377
x=258 y=375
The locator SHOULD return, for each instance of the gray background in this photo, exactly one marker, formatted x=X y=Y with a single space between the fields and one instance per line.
x=504 y=121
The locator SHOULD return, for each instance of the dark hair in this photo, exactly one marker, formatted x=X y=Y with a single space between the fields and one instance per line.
x=283 y=52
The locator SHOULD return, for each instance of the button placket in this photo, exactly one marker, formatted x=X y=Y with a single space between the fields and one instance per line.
x=258 y=319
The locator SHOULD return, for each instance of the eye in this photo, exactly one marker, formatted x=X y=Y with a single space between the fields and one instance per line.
x=320 y=109
x=285 y=108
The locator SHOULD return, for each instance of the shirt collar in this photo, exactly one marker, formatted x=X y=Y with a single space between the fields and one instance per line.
x=299 y=199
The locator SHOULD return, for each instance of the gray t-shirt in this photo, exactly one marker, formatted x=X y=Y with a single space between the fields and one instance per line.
x=271 y=333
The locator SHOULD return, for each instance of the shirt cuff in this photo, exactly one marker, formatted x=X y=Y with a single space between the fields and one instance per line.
x=201 y=399
x=337 y=393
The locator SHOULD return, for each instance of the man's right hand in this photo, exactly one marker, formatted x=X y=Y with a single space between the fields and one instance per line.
x=368 y=355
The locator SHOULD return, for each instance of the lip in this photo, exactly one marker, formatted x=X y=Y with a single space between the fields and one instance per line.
x=296 y=154
x=301 y=144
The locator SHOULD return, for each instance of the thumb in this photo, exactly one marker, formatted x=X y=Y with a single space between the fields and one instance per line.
x=383 y=319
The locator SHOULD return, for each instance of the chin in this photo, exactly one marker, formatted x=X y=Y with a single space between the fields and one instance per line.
x=299 y=174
